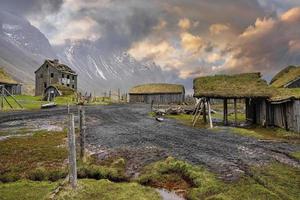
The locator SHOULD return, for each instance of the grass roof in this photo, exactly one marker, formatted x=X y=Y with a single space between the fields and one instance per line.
x=64 y=90
x=5 y=78
x=232 y=86
x=285 y=76
x=285 y=93
x=157 y=88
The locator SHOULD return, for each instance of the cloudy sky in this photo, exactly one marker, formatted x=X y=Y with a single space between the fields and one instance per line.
x=189 y=37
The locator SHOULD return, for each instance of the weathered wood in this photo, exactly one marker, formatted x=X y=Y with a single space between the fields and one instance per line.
x=235 y=111
x=119 y=97
x=209 y=114
x=204 y=111
x=72 y=152
x=225 y=112
x=199 y=114
x=82 y=128
x=197 y=110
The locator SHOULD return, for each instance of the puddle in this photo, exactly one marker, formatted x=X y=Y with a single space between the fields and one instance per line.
x=167 y=195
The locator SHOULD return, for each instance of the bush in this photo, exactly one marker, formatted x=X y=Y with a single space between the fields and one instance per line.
x=9 y=177
x=39 y=174
x=56 y=175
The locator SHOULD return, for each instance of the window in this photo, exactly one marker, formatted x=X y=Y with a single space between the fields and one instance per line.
x=68 y=76
x=68 y=85
x=73 y=78
x=62 y=83
x=45 y=85
x=63 y=75
x=73 y=86
x=52 y=75
x=41 y=75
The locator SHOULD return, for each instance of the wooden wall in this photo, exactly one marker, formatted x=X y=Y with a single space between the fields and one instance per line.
x=156 y=98
x=284 y=115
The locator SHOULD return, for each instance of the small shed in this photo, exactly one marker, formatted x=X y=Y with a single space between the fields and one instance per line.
x=12 y=86
x=56 y=90
x=159 y=93
x=249 y=87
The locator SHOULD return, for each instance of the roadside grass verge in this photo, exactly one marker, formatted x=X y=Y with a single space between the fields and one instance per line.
x=105 y=189
x=252 y=131
x=26 y=190
x=267 y=133
x=275 y=181
x=37 y=157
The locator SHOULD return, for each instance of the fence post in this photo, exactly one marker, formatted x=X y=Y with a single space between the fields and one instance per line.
x=82 y=128
x=72 y=152
x=119 y=95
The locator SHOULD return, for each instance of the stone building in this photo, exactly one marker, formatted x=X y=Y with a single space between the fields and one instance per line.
x=54 y=73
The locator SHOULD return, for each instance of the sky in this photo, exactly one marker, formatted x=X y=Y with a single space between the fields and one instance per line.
x=188 y=37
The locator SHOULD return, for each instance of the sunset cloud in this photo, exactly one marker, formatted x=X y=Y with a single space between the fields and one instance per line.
x=184 y=24
x=216 y=29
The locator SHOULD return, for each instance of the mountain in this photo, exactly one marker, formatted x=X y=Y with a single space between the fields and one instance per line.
x=101 y=71
x=23 y=48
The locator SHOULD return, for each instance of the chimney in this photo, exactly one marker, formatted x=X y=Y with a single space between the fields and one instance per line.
x=55 y=61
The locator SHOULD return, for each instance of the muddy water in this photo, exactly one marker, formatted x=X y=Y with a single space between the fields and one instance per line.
x=167 y=195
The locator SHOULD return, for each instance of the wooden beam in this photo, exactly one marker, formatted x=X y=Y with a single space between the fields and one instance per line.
x=225 y=112
x=235 y=112
x=199 y=114
x=72 y=153
x=204 y=111
x=197 y=110
x=209 y=114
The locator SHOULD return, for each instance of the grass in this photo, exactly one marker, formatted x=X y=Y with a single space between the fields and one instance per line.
x=296 y=155
x=104 y=189
x=275 y=181
x=5 y=78
x=26 y=190
x=157 y=88
x=267 y=133
x=28 y=102
x=187 y=120
x=230 y=86
x=37 y=157
x=285 y=76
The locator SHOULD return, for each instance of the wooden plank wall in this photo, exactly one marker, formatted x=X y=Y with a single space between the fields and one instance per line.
x=156 y=98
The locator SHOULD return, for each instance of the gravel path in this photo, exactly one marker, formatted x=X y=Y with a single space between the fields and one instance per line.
x=129 y=131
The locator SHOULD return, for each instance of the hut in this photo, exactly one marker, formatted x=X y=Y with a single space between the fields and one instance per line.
x=160 y=93
x=10 y=85
x=249 y=87
x=265 y=104
x=56 y=90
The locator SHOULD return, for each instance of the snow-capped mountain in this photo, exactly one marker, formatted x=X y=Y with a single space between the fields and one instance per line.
x=102 y=71
x=23 y=48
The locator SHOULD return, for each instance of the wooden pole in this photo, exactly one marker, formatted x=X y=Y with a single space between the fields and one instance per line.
x=235 y=112
x=204 y=112
x=119 y=95
x=225 y=112
x=197 y=109
x=82 y=128
x=2 y=97
x=72 y=153
x=199 y=114
x=209 y=114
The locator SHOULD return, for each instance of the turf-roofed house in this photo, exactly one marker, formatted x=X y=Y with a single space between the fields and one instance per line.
x=54 y=79
x=8 y=84
x=260 y=99
x=158 y=93
x=284 y=109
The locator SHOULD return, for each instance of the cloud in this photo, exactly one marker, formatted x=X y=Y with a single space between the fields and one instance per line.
x=216 y=29
x=268 y=45
x=184 y=24
x=191 y=43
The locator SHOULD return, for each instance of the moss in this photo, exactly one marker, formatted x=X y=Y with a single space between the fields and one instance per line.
x=156 y=88
x=26 y=190
x=285 y=76
x=21 y=156
x=230 y=86
x=5 y=78
x=267 y=133
x=296 y=155
x=104 y=189
x=274 y=181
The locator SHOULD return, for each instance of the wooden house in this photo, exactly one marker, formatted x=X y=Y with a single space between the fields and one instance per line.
x=265 y=104
x=10 y=85
x=158 y=93
x=52 y=74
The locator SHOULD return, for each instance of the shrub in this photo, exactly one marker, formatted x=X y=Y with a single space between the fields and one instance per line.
x=9 y=177
x=55 y=175
x=39 y=174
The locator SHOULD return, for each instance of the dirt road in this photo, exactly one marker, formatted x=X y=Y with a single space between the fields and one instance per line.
x=128 y=130
x=130 y=127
